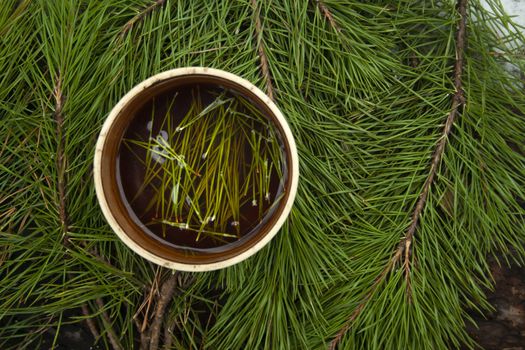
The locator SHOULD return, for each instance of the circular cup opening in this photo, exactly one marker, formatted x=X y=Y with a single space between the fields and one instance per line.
x=115 y=172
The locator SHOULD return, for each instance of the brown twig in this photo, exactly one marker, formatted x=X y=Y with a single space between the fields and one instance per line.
x=91 y=325
x=346 y=327
x=328 y=15
x=148 y=300
x=150 y=337
x=166 y=295
x=144 y=336
x=265 y=68
x=112 y=336
x=154 y=290
x=168 y=335
x=361 y=305
x=404 y=249
x=129 y=25
x=61 y=163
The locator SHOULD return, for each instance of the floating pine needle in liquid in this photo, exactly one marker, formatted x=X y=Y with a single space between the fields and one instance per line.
x=201 y=167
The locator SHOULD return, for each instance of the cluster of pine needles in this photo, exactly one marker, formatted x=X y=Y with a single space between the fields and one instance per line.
x=408 y=118
x=208 y=168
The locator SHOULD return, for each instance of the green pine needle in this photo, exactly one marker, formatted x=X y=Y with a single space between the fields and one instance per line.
x=366 y=88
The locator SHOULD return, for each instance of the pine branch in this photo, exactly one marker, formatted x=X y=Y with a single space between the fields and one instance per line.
x=361 y=306
x=404 y=249
x=166 y=295
x=112 y=336
x=61 y=158
x=388 y=94
x=91 y=325
x=265 y=69
x=144 y=336
x=142 y=327
x=140 y=16
x=61 y=164
x=328 y=15
x=168 y=335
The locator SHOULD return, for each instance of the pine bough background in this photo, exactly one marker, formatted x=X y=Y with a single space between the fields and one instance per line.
x=410 y=128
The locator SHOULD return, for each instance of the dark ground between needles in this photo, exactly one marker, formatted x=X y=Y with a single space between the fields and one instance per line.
x=504 y=328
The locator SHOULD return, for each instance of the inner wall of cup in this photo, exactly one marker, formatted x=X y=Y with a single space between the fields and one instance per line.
x=109 y=171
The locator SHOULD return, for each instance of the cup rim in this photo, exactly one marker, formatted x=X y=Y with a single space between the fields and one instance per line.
x=293 y=164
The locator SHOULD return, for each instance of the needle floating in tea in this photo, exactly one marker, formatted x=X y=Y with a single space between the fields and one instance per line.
x=211 y=166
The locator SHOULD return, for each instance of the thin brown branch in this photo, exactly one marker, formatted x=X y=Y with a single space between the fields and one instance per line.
x=89 y=321
x=113 y=339
x=265 y=68
x=404 y=249
x=166 y=295
x=168 y=334
x=152 y=291
x=328 y=15
x=144 y=336
x=380 y=278
x=174 y=282
x=346 y=327
x=61 y=163
x=140 y=16
x=112 y=336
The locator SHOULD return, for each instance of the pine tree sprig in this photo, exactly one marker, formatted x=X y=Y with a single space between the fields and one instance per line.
x=261 y=50
x=404 y=250
x=328 y=15
x=108 y=327
x=60 y=157
x=403 y=253
x=131 y=23
x=90 y=323
x=366 y=121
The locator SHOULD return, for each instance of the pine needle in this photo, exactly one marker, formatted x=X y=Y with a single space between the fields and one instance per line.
x=378 y=113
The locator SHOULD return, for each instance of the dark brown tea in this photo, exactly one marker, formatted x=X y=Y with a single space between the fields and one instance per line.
x=200 y=167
